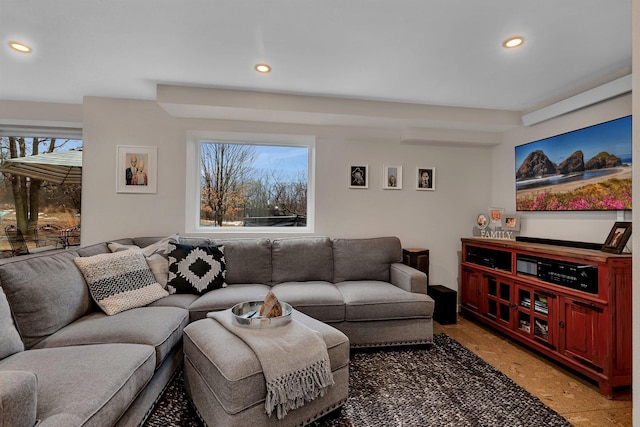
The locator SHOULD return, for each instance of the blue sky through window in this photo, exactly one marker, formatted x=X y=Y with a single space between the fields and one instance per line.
x=291 y=161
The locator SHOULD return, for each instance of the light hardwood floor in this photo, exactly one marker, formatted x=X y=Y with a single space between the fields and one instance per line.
x=574 y=397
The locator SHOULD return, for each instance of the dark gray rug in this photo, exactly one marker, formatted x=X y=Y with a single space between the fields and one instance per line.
x=444 y=385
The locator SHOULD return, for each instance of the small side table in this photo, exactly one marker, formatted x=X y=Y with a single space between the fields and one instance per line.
x=417 y=258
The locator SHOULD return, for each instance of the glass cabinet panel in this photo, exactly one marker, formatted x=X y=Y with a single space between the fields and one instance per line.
x=533 y=314
x=541 y=304
x=492 y=308
x=524 y=322
x=541 y=329
x=492 y=286
x=498 y=300
x=505 y=291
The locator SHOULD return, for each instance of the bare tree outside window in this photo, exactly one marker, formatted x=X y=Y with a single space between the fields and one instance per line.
x=225 y=168
x=253 y=185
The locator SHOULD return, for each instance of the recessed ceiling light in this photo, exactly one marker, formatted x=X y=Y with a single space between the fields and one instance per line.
x=263 y=68
x=19 y=47
x=513 y=42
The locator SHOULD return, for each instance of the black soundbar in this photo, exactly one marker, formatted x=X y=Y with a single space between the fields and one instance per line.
x=567 y=243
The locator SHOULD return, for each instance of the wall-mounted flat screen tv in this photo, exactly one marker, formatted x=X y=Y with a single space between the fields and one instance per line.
x=587 y=169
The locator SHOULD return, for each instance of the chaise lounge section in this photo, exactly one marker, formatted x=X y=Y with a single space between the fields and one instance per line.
x=78 y=366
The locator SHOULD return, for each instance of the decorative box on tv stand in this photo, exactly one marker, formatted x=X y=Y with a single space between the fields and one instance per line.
x=446 y=304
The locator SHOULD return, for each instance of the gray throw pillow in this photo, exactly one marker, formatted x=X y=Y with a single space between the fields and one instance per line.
x=10 y=341
x=120 y=281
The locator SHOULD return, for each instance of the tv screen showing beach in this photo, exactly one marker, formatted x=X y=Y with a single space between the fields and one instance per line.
x=587 y=169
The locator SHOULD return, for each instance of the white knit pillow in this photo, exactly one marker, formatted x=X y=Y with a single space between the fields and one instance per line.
x=120 y=281
x=157 y=260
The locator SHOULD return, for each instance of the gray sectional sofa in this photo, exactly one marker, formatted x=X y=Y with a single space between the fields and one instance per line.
x=64 y=362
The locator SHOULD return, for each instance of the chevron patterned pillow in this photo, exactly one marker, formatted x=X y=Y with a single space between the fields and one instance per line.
x=196 y=269
x=120 y=281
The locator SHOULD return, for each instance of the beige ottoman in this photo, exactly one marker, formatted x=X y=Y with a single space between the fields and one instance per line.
x=224 y=378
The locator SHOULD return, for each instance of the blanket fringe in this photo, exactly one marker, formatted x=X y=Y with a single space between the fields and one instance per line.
x=292 y=390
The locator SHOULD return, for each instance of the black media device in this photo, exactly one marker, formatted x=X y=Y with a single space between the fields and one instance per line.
x=582 y=277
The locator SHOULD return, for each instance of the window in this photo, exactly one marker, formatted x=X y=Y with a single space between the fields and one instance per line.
x=252 y=183
x=40 y=191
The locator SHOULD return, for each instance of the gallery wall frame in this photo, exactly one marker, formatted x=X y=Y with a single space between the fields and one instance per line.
x=358 y=175
x=136 y=169
x=392 y=177
x=425 y=179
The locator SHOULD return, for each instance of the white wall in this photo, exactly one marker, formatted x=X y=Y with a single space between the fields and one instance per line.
x=468 y=179
x=635 y=237
x=578 y=226
x=435 y=220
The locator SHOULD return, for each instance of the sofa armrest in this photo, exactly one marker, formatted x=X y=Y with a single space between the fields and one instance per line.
x=408 y=278
x=18 y=398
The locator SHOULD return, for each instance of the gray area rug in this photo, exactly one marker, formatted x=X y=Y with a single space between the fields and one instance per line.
x=444 y=385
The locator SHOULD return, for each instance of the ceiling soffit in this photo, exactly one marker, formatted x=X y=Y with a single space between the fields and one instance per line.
x=416 y=123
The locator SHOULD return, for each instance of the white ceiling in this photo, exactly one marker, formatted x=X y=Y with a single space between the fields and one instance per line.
x=436 y=52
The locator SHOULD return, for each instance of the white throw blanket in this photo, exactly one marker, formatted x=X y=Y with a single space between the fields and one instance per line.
x=294 y=360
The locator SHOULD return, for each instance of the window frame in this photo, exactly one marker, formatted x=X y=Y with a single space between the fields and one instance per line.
x=192 y=189
x=39 y=129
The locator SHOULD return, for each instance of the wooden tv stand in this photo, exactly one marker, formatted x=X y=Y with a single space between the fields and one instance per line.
x=585 y=328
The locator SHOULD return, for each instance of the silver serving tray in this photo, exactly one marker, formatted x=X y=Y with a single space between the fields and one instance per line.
x=242 y=315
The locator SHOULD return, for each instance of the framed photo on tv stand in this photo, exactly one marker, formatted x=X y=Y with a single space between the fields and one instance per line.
x=618 y=238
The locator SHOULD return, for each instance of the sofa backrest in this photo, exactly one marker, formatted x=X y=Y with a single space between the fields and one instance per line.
x=365 y=259
x=101 y=248
x=45 y=291
x=299 y=259
x=10 y=341
x=247 y=260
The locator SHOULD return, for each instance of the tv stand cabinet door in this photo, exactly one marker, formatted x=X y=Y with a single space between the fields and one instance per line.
x=581 y=327
x=471 y=289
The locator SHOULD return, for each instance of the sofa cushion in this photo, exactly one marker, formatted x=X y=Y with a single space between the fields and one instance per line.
x=10 y=341
x=302 y=258
x=88 y=385
x=320 y=300
x=372 y=300
x=160 y=327
x=221 y=299
x=365 y=259
x=248 y=260
x=175 y=300
x=196 y=269
x=120 y=281
x=39 y=310
x=18 y=399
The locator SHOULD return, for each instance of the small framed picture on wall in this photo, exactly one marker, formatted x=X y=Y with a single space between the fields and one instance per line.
x=136 y=169
x=392 y=177
x=358 y=176
x=426 y=179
